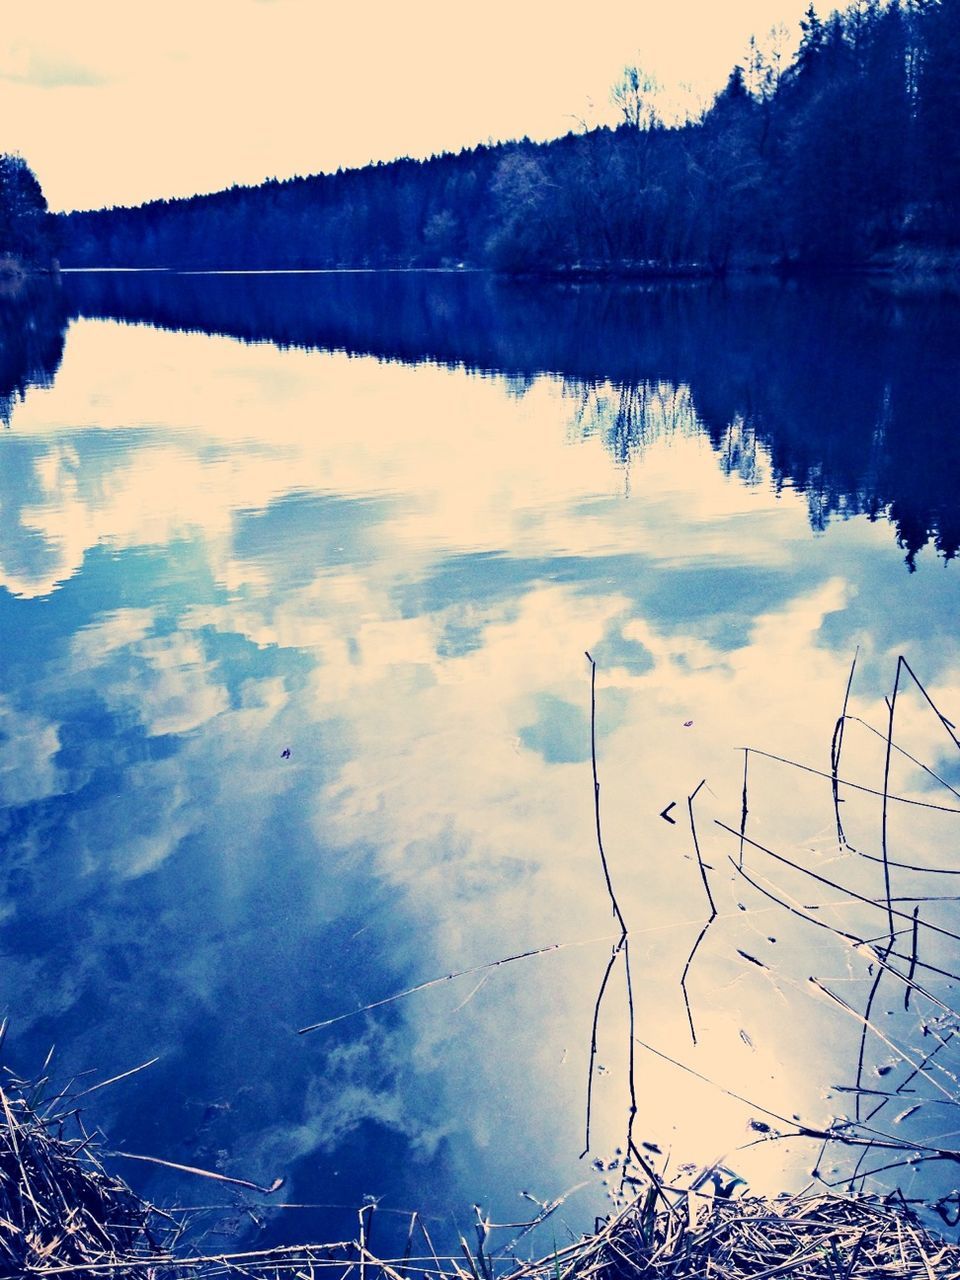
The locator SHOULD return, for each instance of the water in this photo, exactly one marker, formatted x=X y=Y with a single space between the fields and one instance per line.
x=296 y=716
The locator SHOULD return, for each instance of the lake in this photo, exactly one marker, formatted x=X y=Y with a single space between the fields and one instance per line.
x=298 y=576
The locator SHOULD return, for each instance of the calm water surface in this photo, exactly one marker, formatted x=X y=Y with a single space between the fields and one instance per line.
x=297 y=575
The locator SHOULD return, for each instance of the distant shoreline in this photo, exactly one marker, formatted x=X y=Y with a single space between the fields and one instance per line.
x=932 y=266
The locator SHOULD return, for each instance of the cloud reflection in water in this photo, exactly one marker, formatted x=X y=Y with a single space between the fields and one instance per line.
x=220 y=552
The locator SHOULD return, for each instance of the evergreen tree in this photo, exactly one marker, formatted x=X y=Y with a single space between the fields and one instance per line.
x=939 y=95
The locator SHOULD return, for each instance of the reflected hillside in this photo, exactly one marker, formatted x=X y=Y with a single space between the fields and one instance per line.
x=846 y=392
x=32 y=328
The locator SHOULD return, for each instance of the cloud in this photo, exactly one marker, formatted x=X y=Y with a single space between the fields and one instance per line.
x=95 y=643
x=41 y=71
x=28 y=747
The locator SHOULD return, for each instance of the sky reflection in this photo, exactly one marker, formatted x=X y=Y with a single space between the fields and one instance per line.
x=214 y=553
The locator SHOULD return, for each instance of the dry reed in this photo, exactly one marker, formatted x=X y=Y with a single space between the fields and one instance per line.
x=62 y=1213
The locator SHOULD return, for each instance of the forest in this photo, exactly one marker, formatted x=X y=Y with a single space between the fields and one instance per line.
x=845 y=155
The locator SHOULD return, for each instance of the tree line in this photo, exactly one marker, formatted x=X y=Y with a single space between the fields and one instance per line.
x=848 y=150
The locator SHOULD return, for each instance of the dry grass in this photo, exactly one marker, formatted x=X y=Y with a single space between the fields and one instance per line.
x=63 y=1214
x=60 y=1210
x=836 y=1237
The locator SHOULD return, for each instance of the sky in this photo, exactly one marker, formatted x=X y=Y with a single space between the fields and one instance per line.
x=113 y=102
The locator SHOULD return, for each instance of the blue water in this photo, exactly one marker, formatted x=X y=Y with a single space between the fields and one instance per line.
x=297 y=576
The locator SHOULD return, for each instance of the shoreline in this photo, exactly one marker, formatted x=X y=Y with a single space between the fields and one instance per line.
x=65 y=1210
x=922 y=268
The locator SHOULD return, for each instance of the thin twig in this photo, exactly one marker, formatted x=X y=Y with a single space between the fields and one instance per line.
x=447 y=977
x=713 y=906
x=836 y=747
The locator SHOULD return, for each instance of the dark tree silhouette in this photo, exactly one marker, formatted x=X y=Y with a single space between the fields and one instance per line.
x=25 y=225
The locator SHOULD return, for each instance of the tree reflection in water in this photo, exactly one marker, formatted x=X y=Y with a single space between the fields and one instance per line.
x=839 y=390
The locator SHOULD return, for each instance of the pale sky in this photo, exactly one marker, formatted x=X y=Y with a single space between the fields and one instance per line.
x=118 y=101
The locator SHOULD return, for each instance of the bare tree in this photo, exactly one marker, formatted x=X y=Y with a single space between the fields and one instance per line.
x=635 y=96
